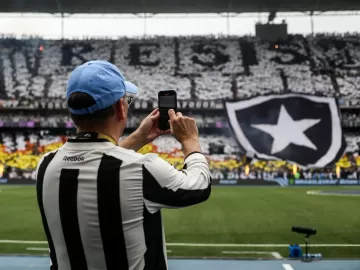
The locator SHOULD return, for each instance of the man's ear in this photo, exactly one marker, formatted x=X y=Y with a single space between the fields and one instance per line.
x=120 y=109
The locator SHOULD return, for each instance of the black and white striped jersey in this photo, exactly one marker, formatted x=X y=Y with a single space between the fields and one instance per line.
x=100 y=204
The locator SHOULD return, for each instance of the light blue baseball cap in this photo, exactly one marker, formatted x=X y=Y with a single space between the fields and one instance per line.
x=102 y=81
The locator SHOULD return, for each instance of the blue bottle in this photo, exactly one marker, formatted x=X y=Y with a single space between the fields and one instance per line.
x=291 y=251
x=295 y=251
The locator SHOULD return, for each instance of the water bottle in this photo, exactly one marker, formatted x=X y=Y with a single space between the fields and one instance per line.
x=291 y=251
x=318 y=256
x=295 y=251
x=299 y=251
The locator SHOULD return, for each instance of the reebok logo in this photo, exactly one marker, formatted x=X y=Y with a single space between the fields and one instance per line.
x=79 y=158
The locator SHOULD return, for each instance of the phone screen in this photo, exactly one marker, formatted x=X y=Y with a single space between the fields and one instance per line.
x=167 y=100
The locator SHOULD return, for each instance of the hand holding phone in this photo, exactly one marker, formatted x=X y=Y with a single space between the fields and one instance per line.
x=185 y=131
x=183 y=128
x=167 y=100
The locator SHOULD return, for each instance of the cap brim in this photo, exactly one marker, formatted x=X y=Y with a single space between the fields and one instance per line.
x=131 y=88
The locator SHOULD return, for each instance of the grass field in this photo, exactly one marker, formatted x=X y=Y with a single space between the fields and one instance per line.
x=232 y=215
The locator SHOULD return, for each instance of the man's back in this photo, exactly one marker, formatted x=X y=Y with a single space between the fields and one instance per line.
x=100 y=203
x=100 y=207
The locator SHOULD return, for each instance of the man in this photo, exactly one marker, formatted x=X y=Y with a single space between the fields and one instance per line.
x=99 y=201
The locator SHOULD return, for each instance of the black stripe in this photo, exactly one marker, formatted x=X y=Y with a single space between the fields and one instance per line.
x=154 y=255
x=68 y=191
x=39 y=190
x=179 y=198
x=111 y=229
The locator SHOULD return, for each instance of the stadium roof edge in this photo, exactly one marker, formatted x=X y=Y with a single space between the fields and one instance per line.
x=174 y=6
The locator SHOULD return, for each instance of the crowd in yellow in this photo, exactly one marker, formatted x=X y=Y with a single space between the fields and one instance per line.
x=28 y=158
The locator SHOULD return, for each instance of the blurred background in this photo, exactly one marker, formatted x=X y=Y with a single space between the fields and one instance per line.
x=209 y=52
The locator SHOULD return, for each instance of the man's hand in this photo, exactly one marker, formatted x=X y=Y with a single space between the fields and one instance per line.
x=182 y=127
x=147 y=132
x=185 y=131
x=149 y=127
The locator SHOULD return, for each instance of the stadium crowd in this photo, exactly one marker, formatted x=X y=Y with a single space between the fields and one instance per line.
x=219 y=120
x=19 y=153
x=37 y=120
x=198 y=68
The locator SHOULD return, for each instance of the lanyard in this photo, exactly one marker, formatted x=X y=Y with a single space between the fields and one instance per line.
x=94 y=136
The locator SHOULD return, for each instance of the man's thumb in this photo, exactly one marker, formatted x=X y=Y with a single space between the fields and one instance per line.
x=155 y=117
x=172 y=114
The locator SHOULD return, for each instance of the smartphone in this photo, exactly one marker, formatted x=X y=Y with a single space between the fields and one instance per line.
x=167 y=100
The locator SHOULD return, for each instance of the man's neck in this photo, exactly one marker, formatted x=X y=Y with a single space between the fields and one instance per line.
x=112 y=134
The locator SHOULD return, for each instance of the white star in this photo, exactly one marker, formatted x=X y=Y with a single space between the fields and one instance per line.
x=288 y=131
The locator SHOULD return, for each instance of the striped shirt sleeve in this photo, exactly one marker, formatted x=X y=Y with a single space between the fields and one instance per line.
x=40 y=173
x=166 y=187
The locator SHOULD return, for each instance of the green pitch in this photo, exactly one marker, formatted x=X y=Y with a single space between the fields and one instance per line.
x=232 y=215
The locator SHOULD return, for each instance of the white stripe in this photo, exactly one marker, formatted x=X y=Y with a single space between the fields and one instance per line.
x=276 y=255
x=168 y=251
x=199 y=244
x=287 y=267
x=22 y=242
x=254 y=245
x=87 y=209
x=245 y=252
x=39 y=249
x=50 y=197
x=331 y=194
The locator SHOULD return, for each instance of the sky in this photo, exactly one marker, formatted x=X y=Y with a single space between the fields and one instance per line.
x=113 y=26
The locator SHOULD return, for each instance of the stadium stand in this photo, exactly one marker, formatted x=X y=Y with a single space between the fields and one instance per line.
x=20 y=153
x=198 y=68
x=202 y=68
x=36 y=120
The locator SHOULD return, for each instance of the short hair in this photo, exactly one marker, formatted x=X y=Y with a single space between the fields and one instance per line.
x=78 y=101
